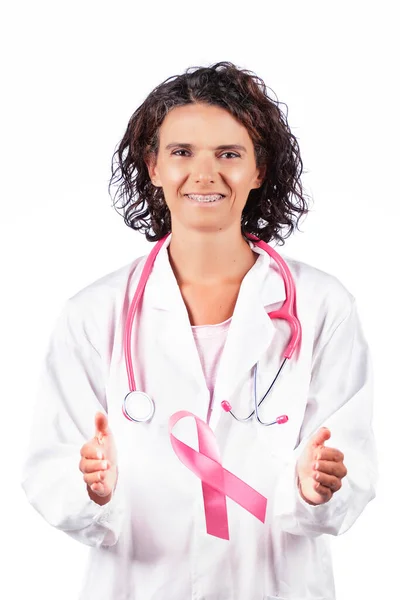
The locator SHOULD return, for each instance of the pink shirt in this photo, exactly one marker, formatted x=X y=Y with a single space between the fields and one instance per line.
x=210 y=341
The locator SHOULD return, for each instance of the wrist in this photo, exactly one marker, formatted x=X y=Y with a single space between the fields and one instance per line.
x=302 y=495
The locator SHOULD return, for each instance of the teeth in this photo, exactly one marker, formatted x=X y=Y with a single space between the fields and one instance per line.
x=201 y=198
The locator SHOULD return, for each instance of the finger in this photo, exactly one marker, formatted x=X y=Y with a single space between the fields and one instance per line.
x=331 y=468
x=325 y=453
x=319 y=438
x=322 y=490
x=90 y=466
x=98 y=488
x=101 y=424
x=97 y=477
x=328 y=481
x=91 y=450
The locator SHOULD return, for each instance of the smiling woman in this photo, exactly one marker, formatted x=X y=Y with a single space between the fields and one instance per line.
x=202 y=328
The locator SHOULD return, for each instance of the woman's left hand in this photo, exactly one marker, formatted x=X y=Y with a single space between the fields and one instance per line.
x=320 y=470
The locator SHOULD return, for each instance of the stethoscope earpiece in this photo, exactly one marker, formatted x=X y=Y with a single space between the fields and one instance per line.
x=278 y=421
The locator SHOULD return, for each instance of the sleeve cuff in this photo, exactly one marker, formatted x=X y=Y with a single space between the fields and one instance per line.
x=111 y=512
x=301 y=518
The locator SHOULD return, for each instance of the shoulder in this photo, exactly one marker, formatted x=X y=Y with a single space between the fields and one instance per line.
x=108 y=289
x=93 y=312
x=322 y=299
x=316 y=283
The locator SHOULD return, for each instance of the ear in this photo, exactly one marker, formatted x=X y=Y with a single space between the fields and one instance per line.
x=151 y=163
x=260 y=178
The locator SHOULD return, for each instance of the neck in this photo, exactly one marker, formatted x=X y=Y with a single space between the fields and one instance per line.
x=210 y=258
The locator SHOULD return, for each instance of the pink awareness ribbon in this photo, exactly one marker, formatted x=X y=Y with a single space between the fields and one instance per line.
x=217 y=482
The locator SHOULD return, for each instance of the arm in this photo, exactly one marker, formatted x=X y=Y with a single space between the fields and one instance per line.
x=340 y=398
x=71 y=391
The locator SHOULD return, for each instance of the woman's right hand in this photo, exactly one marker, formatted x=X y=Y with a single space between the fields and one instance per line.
x=99 y=462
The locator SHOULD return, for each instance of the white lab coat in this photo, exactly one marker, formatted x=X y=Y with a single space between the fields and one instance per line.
x=150 y=541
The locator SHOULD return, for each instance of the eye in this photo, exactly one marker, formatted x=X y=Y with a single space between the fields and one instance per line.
x=176 y=152
x=233 y=154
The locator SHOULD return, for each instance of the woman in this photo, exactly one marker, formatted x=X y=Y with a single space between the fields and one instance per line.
x=209 y=161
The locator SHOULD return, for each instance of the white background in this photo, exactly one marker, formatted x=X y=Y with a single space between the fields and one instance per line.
x=74 y=74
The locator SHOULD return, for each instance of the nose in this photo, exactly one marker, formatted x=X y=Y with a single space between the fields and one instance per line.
x=204 y=169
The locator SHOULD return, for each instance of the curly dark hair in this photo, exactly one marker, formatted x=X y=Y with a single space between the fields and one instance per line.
x=278 y=204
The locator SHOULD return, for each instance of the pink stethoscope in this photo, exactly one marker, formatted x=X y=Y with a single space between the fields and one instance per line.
x=139 y=407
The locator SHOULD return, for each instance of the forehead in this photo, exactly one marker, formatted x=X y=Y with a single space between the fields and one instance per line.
x=197 y=122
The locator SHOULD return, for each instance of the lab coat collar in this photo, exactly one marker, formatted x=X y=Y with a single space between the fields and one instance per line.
x=264 y=280
x=250 y=333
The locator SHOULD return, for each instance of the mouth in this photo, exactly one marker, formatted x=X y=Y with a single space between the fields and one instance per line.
x=205 y=198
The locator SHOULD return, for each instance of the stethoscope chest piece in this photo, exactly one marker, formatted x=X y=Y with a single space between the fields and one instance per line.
x=138 y=407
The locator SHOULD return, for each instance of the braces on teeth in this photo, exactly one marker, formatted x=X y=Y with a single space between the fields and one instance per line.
x=204 y=198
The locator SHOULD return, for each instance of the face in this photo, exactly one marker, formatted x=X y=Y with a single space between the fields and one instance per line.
x=203 y=151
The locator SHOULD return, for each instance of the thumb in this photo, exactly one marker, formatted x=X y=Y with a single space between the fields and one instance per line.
x=318 y=439
x=101 y=424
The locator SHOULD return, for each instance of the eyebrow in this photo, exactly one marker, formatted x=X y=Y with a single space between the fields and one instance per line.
x=222 y=147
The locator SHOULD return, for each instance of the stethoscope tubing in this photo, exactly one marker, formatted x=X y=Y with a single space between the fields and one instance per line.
x=286 y=312
x=132 y=311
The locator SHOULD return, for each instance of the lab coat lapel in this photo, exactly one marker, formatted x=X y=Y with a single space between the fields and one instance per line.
x=176 y=337
x=251 y=331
